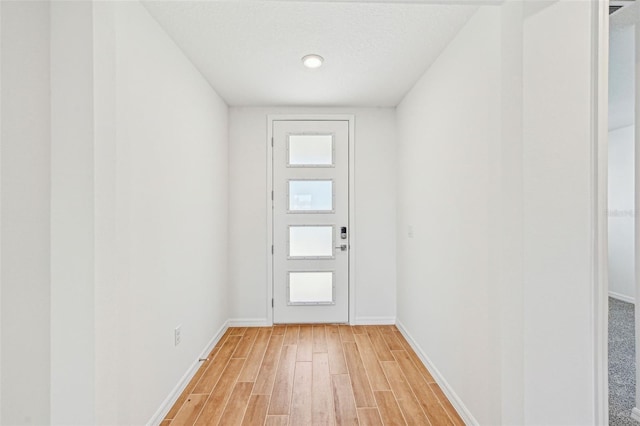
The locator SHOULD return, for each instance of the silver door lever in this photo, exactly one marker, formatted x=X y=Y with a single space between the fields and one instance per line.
x=342 y=247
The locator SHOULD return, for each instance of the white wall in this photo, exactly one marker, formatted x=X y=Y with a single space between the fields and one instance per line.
x=114 y=201
x=558 y=253
x=621 y=167
x=621 y=72
x=621 y=214
x=25 y=229
x=495 y=287
x=447 y=125
x=107 y=275
x=72 y=214
x=374 y=215
x=509 y=222
x=170 y=213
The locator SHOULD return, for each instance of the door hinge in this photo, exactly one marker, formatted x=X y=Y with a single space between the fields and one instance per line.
x=271 y=195
x=272 y=303
x=271 y=141
x=272 y=249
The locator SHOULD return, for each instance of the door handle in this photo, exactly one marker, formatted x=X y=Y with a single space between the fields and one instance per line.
x=342 y=247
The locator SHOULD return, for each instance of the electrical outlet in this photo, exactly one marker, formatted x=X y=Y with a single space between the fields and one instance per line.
x=177 y=335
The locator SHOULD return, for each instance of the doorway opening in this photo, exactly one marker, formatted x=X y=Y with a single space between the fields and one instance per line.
x=621 y=217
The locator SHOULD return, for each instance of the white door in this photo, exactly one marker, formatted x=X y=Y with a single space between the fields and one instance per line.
x=310 y=221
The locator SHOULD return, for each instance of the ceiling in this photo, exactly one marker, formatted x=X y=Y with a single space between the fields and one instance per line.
x=250 y=51
x=617 y=5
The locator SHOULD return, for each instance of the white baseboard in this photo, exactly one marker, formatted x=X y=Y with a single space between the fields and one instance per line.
x=455 y=400
x=374 y=321
x=635 y=414
x=173 y=396
x=263 y=322
x=249 y=322
x=622 y=297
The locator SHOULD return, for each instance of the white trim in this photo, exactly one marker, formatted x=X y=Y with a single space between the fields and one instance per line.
x=635 y=414
x=249 y=322
x=436 y=2
x=352 y=217
x=351 y=118
x=455 y=400
x=175 y=393
x=375 y=321
x=622 y=297
x=599 y=217
x=269 y=208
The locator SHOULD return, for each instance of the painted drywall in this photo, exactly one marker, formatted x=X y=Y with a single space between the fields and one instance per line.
x=557 y=192
x=114 y=213
x=447 y=128
x=375 y=211
x=621 y=168
x=509 y=221
x=25 y=226
x=494 y=202
x=621 y=74
x=171 y=195
x=622 y=214
x=0 y=212
x=72 y=214
x=107 y=289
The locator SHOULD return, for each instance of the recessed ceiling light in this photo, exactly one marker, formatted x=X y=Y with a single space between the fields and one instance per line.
x=312 y=61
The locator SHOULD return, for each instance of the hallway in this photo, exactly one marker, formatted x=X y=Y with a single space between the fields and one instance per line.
x=318 y=374
x=138 y=202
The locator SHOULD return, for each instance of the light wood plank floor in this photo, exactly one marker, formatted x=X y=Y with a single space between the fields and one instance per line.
x=313 y=375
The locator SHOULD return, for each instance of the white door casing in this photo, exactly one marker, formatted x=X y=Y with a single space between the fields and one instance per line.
x=310 y=166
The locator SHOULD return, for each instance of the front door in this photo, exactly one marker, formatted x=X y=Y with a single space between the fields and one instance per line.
x=310 y=221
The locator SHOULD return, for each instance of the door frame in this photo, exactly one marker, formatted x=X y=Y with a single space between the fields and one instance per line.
x=599 y=205
x=350 y=118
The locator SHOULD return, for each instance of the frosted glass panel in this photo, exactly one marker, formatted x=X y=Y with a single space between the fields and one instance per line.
x=310 y=195
x=310 y=287
x=310 y=241
x=310 y=150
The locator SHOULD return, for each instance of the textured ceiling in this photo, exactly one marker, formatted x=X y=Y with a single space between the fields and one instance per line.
x=250 y=51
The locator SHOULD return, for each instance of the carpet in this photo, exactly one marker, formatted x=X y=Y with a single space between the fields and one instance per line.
x=622 y=367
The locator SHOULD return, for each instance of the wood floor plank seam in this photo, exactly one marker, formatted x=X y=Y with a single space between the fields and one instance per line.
x=214 y=363
x=192 y=384
x=358 y=375
x=247 y=407
x=404 y=403
x=225 y=403
x=266 y=413
x=209 y=394
x=226 y=396
x=276 y=355
x=305 y=391
x=229 y=409
x=421 y=401
x=353 y=394
x=415 y=395
x=264 y=353
x=276 y=371
x=448 y=407
x=371 y=363
x=243 y=347
x=284 y=376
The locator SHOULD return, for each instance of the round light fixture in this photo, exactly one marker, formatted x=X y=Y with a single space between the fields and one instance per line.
x=312 y=61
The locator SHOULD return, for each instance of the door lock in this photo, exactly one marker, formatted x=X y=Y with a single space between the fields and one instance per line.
x=343 y=233
x=342 y=247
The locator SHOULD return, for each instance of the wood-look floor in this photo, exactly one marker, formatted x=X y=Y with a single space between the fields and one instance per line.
x=313 y=375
